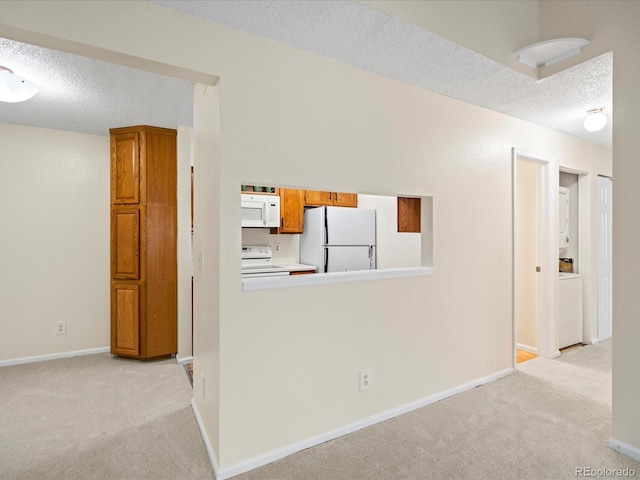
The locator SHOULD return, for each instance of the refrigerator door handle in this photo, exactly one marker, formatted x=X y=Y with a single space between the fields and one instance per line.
x=371 y=257
x=326 y=226
x=326 y=259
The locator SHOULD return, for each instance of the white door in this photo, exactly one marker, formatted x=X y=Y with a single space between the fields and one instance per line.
x=605 y=276
x=351 y=226
x=349 y=259
x=563 y=217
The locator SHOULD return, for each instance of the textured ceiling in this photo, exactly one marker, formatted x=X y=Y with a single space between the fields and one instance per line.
x=84 y=95
x=356 y=34
x=90 y=96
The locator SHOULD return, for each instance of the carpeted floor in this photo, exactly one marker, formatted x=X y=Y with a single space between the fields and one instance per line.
x=99 y=417
x=96 y=417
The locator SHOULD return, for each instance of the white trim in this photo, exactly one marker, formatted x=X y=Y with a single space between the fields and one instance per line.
x=624 y=448
x=547 y=244
x=184 y=360
x=527 y=348
x=265 y=283
x=53 y=356
x=274 y=455
x=594 y=341
x=207 y=443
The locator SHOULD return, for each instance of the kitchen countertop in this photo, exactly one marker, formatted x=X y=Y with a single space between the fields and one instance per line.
x=265 y=283
x=297 y=267
x=291 y=264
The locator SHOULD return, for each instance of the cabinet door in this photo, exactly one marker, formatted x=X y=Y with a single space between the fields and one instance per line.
x=317 y=198
x=125 y=168
x=125 y=243
x=291 y=210
x=125 y=319
x=345 y=199
x=408 y=215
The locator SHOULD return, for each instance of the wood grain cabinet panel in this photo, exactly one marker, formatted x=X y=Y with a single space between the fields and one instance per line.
x=409 y=215
x=317 y=198
x=345 y=199
x=291 y=210
x=125 y=168
x=125 y=319
x=125 y=243
x=143 y=242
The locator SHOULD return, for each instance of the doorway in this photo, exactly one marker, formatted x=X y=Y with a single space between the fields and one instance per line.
x=534 y=266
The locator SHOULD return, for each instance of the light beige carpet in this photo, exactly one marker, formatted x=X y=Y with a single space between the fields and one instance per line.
x=96 y=417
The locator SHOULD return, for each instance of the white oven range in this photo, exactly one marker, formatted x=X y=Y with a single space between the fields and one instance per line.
x=257 y=262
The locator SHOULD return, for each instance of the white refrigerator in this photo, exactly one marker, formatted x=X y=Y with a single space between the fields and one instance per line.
x=339 y=239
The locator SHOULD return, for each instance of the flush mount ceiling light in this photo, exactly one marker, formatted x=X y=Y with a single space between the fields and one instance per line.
x=14 y=88
x=550 y=51
x=596 y=120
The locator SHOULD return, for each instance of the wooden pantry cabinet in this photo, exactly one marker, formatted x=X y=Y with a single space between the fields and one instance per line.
x=143 y=242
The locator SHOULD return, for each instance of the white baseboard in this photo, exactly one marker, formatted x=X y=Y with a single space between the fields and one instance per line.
x=53 y=356
x=625 y=449
x=183 y=360
x=594 y=341
x=207 y=443
x=251 y=464
x=527 y=348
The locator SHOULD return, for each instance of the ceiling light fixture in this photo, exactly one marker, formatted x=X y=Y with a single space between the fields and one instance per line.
x=14 y=88
x=550 y=51
x=596 y=120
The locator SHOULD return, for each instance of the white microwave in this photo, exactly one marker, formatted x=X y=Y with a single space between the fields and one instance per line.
x=260 y=211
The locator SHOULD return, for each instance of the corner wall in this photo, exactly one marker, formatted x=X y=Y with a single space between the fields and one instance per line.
x=613 y=26
x=294 y=118
x=54 y=245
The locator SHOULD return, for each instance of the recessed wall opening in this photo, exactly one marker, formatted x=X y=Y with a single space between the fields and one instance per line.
x=291 y=232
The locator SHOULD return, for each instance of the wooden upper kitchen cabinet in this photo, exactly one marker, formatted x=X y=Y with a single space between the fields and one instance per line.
x=291 y=211
x=143 y=242
x=317 y=198
x=409 y=215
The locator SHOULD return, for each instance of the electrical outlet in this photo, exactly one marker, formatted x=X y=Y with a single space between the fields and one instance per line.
x=202 y=383
x=61 y=328
x=276 y=247
x=365 y=379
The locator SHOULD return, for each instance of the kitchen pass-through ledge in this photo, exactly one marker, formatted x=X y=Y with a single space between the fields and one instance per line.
x=265 y=283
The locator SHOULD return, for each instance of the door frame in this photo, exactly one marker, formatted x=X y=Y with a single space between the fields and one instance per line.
x=547 y=244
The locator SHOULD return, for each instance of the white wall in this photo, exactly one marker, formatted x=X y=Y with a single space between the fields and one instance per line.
x=295 y=118
x=54 y=245
x=289 y=243
x=393 y=249
x=185 y=264
x=59 y=236
x=613 y=26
